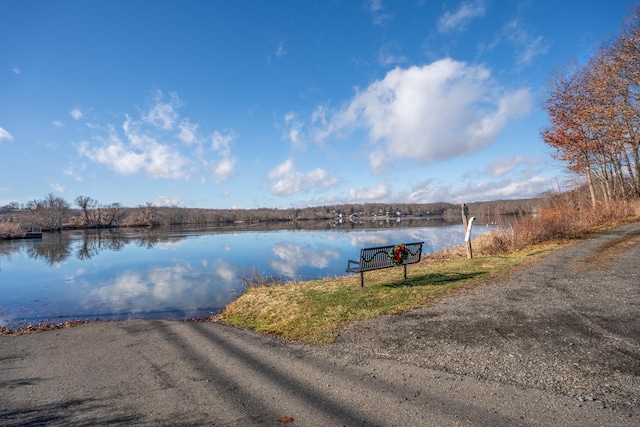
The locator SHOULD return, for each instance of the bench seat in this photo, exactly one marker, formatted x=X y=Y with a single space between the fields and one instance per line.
x=378 y=257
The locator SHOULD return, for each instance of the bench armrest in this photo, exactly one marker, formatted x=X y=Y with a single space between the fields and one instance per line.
x=350 y=269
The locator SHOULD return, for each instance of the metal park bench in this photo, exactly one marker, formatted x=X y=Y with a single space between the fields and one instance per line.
x=378 y=258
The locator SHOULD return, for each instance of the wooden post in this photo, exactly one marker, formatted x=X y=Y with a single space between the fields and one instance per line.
x=465 y=215
x=465 y=223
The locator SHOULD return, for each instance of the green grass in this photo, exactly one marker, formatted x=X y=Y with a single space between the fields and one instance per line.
x=313 y=311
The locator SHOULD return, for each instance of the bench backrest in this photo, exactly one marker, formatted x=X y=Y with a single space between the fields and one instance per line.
x=376 y=258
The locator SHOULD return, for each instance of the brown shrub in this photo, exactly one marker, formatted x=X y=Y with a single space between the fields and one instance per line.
x=10 y=230
x=557 y=219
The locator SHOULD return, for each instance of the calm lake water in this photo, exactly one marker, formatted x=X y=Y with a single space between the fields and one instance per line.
x=181 y=273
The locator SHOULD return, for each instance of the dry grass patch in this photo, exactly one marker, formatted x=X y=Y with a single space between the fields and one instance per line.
x=10 y=230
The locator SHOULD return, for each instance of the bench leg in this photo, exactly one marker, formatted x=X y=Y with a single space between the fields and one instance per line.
x=405 y=271
x=362 y=280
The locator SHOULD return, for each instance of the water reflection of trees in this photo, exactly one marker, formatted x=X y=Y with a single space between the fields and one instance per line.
x=339 y=224
x=150 y=240
x=56 y=248
x=114 y=240
x=96 y=242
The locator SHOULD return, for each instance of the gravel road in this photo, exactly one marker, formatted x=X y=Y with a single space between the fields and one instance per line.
x=558 y=343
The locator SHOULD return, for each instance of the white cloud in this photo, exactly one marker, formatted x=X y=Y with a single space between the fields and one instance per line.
x=459 y=19
x=366 y=195
x=16 y=70
x=520 y=187
x=527 y=45
x=72 y=171
x=289 y=181
x=502 y=166
x=165 y=162
x=376 y=9
x=115 y=155
x=387 y=56
x=223 y=169
x=508 y=188
x=293 y=129
x=435 y=112
x=161 y=144
x=76 y=113
x=535 y=47
x=221 y=142
x=163 y=115
x=188 y=132
x=282 y=169
x=58 y=123
x=319 y=115
x=143 y=153
x=163 y=200
x=378 y=161
x=294 y=136
x=4 y=135
x=225 y=164
x=375 y=6
x=280 y=52
x=57 y=187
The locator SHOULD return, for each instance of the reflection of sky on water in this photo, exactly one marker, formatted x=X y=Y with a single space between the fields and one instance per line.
x=290 y=258
x=182 y=289
x=165 y=275
x=434 y=238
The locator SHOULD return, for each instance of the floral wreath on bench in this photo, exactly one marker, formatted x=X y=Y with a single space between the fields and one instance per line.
x=399 y=254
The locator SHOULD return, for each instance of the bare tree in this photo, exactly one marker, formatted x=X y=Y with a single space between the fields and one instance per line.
x=112 y=215
x=51 y=212
x=147 y=214
x=88 y=206
x=97 y=215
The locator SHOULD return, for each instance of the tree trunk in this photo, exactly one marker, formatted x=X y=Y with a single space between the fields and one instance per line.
x=591 y=190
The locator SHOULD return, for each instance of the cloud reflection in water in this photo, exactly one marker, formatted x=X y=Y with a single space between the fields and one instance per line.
x=291 y=257
x=181 y=289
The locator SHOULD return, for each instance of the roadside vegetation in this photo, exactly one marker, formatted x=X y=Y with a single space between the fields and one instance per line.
x=314 y=311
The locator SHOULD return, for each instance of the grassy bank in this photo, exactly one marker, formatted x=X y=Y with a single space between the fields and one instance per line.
x=313 y=311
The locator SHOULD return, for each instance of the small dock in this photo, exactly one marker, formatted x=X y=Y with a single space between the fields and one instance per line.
x=33 y=234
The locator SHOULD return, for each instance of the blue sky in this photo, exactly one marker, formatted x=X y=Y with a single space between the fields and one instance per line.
x=246 y=104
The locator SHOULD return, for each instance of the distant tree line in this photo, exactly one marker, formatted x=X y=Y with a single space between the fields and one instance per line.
x=594 y=112
x=55 y=213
